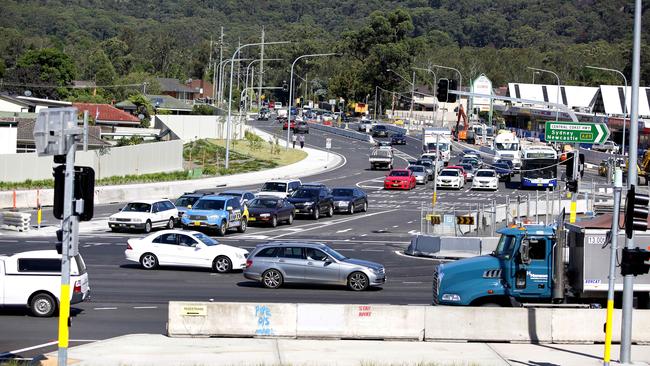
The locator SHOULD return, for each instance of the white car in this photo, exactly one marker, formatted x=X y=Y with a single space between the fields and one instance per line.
x=144 y=215
x=450 y=178
x=33 y=279
x=486 y=179
x=184 y=248
x=281 y=188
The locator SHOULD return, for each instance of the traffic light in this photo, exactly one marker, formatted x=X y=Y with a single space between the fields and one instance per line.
x=636 y=212
x=572 y=186
x=84 y=188
x=453 y=85
x=633 y=261
x=442 y=91
x=285 y=86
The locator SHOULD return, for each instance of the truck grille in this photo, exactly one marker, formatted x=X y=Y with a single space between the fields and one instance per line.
x=435 y=287
x=198 y=217
x=492 y=273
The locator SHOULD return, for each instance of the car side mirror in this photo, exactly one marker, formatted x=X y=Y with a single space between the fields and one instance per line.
x=524 y=251
x=229 y=208
x=189 y=206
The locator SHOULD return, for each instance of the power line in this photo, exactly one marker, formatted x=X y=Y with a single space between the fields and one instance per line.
x=52 y=86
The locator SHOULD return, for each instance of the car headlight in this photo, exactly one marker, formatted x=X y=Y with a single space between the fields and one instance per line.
x=450 y=297
x=265 y=215
x=213 y=217
x=136 y=220
x=309 y=203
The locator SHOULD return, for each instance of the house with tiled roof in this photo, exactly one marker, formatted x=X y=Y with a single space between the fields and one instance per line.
x=173 y=88
x=25 y=136
x=202 y=89
x=108 y=115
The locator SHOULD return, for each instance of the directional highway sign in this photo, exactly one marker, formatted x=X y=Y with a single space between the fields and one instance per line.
x=434 y=219
x=465 y=220
x=579 y=133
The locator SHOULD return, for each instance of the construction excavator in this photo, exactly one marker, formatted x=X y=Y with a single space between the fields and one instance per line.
x=463 y=135
x=643 y=168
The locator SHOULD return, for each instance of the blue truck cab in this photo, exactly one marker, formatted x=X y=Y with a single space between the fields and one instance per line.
x=519 y=270
x=219 y=213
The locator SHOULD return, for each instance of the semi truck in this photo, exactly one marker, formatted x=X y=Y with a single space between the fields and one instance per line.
x=539 y=264
x=443 y=137
x=506 y=146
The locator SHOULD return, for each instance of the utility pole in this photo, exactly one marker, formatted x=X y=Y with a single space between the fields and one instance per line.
x=238 y=64
x=632 y=174
x=261 y=72
x=618 y=184
x=375 y=117
x=434 y=199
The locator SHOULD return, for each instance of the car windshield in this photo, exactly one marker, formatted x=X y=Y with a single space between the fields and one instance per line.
x=449 y=173
x=485 y=173
x=334 y=254
x=424 y=162
x=416 y=168
x=186 y=201
x=264 y=203
x=507 y=146
x=137 y=207
x=502 y=166
x=467 y=166
x=342 y=192
x=380 y=127
x=209 y=204
x=274 y=187
x=505 y=246
x=305 y=193
x=205 y=239
x=399 y=173
x=233 y=194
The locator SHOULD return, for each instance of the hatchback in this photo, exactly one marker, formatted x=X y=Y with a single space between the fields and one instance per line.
x=274 y=264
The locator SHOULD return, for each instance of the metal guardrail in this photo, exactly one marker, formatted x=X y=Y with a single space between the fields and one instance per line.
x=17 y=221
x=342 y=132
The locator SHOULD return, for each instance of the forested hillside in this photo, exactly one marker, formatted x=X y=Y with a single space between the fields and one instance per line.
x=124 y=42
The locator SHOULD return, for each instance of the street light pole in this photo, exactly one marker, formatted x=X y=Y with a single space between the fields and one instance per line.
x=291 y=90
x=232 y=72
x=375 y=117
x=260 y=60
x=624 y=98
x=435 y=90
x=557 y=95
x=412 y=83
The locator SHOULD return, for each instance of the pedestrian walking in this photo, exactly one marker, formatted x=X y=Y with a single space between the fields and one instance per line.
x=301 y=139
x=293 y=139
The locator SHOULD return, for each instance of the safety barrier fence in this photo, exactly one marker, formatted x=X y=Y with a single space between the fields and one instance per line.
x=405 y=322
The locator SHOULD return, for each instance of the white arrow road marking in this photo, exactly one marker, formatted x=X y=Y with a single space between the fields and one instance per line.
x=344 y=230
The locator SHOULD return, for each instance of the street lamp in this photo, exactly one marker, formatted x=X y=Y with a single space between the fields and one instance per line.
x=232 y=72
x=412 y=83
x=247 y=70
x=291 y=89
x=557 y=95
x=624 y=98
x=222 y=67
x=435 y=91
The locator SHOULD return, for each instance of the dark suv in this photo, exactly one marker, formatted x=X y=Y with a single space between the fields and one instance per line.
x=379 y=131
x=313 y=201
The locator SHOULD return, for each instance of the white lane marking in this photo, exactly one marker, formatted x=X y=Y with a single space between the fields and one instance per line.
x=410 y=222
x=145 y=307
x=345 y=250
x=344 y=230
x=8 y=241
x=105 y=308
x=258 y=237
x=36 y=241
x=335 y=222
x=28 y=349
x=411 y=282
x=372 y=250
x=364 y=234
x=395 y=225
x=413 y=232
x=425 y=258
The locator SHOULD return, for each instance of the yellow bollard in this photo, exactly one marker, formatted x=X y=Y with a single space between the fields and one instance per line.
x=39 y=216
x=572 y=214
x=434 y=198
x=608 y=331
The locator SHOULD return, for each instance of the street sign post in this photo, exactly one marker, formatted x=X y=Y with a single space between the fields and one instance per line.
x=577 y=133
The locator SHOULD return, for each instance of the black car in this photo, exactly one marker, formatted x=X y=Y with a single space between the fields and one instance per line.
x=301 y=127
x=504 y=170
x=313 y=201
x=185 y=202
x=398 y=139
x=270 y=210
x=350 y=200
x=264 y=114
x=379 y=131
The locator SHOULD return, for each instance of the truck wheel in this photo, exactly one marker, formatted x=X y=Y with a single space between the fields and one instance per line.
x=42 y=305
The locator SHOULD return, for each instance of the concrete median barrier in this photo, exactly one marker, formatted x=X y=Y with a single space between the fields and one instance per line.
x=360 y=321
x=450 y=323
x=342 y=132
x=206 y=319
x=587 y=326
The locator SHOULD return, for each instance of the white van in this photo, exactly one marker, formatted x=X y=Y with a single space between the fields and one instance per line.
x=33 y=279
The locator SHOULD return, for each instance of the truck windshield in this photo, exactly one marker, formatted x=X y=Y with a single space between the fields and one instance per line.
x=431 y=146
x=507 y=146
x=505 y=246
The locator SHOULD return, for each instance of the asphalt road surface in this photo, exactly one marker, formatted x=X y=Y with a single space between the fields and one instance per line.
x=127 y=299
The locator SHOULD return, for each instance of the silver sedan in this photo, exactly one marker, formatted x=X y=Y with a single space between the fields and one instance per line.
x=420 y=173
x=274 y=264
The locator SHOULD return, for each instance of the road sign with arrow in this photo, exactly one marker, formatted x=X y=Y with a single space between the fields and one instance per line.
x=579 y=133
x=465 y=220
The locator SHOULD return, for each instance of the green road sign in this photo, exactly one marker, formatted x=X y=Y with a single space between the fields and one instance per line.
x=579 y=133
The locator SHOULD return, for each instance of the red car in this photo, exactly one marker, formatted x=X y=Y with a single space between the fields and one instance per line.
x=400 y=179
x=286 y=122
x=462 y=170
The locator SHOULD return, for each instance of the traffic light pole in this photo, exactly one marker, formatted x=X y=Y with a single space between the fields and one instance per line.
x=575 y=178
x=628 y=280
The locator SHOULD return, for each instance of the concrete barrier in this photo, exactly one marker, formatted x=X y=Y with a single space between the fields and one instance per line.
x=360 y=321
x=205 y=319
x=450 y=323
x=17 y=221
x=423 y=323
x=342 y=132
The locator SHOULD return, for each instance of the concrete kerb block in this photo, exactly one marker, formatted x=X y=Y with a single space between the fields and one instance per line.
x=481 y=324
x=360 y=321
x=206 y=319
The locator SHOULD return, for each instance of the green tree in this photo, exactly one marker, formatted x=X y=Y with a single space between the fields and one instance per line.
x=144 y=107
x=49 y=67
x=100 y=69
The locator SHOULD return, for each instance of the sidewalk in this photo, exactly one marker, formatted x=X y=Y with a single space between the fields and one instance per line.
x=149 y=349
x=317 y=161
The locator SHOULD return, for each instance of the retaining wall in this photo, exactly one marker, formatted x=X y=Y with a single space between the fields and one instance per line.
x=406 y=322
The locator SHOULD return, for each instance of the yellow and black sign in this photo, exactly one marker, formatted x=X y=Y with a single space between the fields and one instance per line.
x=434 y=219
x=465 y=220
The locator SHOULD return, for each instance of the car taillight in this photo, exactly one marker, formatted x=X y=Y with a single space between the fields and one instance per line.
x=77 y=287
x=249 y=263
x=128 y=246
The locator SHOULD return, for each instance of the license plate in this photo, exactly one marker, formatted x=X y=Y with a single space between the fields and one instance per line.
x=197 y=223
x=251 y=219
x=395 y=184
